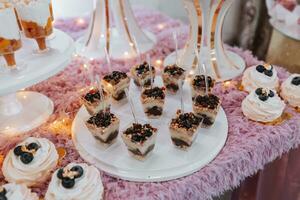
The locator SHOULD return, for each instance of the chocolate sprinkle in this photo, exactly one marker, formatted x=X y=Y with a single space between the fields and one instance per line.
x=101 y=119
x=155 y=92
x=174 y=70
x=93 y=95
x=140 y=133
x=115 y=77
x=208 y=101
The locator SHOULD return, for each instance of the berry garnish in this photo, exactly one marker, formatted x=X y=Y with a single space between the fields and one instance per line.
x=296 y=80
x=260 y=68
x=259 y=91
x=139 y=132
x=68 y=183
x=18 y=150
x=101 y=119
x=271 y=93
x=33 y=146
x=79 y=171
x=268 y=73
x=60 y=173
x=26 y=157
x=263 y=97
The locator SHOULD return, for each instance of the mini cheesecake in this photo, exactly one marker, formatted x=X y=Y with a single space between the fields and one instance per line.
x=171 y=76
x=198 y=85
x=153 y=100
x=104 y=126
x=93 y=102
x=140 y=140
x=116 y=83
x=183 y=129
x=141 y=74
x=206 y=107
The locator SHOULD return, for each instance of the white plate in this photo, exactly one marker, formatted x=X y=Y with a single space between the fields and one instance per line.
x=166 y=162
x=38 y=67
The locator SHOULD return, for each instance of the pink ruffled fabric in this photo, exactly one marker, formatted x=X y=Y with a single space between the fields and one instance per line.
x=249 y=146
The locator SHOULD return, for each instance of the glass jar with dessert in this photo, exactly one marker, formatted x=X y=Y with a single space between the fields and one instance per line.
x=10 y=39
x=36 y=21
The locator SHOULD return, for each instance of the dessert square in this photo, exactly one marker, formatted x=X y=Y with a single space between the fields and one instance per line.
x=93 y=102
x=198 y=85
x=183 y=129
x=105 y=127
x=206 y=107
x=140 y=140
x=141 y=74
x=153 y=100
x=116 y=83
x=172 y=75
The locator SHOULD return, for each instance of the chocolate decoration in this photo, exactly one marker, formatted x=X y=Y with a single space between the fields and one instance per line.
x=156 y=111
x=174 y=70
x=140 y=133
x=110 y=138
x=208 y=101
x=120 y=96
x=101 y=119
x=199 y=81
x=155 y=92
x=115 y=77
x=180 y=143
x=186 y=120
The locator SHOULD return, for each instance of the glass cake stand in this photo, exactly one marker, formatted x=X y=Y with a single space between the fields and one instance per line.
x=21 y=111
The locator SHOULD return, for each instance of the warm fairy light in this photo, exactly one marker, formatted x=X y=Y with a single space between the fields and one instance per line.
x=131 y=44
x=160 y=26
x=53 y=22
x=85 y=66
x=80 y=21
x=24 y=96
x=126 y=54
x=192 y=72
x=102 y=35
x=158 y=62
x=227 y=83
x=61 y=125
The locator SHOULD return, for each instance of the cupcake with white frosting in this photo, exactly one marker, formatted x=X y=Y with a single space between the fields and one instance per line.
x=30 y=162
x=76 y=182
x=260 y=76
x=263 y=105
x=290 y=90
x=13 y=191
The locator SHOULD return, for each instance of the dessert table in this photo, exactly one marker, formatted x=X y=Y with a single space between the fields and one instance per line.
x=250 y=145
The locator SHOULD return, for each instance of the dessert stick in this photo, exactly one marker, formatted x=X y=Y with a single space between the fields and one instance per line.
x=137 y=50
x=181 y=95
x=108 y=60
x=131 y=105
x=176 y=47
x=205 y=78
x=150 y=70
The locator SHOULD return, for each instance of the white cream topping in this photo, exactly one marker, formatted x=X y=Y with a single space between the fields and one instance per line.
x=87 y=187
x=19 y=192
x=35 y=11
x=252 y=79
x=9 y=25
x=262 y=111
x=45 y=159
x=291 y=92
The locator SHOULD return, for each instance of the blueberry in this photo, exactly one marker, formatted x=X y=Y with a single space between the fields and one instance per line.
x=268 y=73
x=148 y=133
x=263 y=97
x=33 y=146
x=77 y=169
x=68 y=183
x=60 y=173
x=3 y=192
x=3 y=197
x=260 y=68
x=18 y=150
x=296 y=81
x=26 y=157
x=259 y=91
x=271 y=94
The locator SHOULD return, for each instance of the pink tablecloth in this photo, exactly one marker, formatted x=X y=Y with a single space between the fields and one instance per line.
x=249 y=147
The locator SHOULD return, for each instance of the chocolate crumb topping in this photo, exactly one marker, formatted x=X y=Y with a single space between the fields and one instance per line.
x=101 y=119
x=199 y=81
x=140 y=133
x=144 y=68
x=93 y=95
x=209 y=101
x=174 y=70
x=186 y=120
x=155 y=92
x=115 y=77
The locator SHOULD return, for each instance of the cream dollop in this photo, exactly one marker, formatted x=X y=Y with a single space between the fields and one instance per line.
x=88 y=186
x=252 y=79
x=291 y=92
x=19 y=192
x=44 y=161
x=262 y=111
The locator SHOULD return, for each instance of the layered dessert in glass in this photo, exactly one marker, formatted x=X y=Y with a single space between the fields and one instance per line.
x=183 y=129
x=115 y=83
x=10 y=39
x=207 y=108
x=140 y=140
x=36 y=20
x=105 y=127
x=153 y=100
x=141 y=74
x=198 y=85
x=172 y=76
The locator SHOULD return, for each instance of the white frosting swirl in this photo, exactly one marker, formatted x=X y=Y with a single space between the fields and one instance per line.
x=291 y=92
x=19 y=192
x=252 y=79
x=44 y=161
x=88 y=186
x=262 y=111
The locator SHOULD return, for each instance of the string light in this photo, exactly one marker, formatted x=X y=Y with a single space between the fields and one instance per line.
x=80 y=21
x=160 y=26
x=227 y=84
